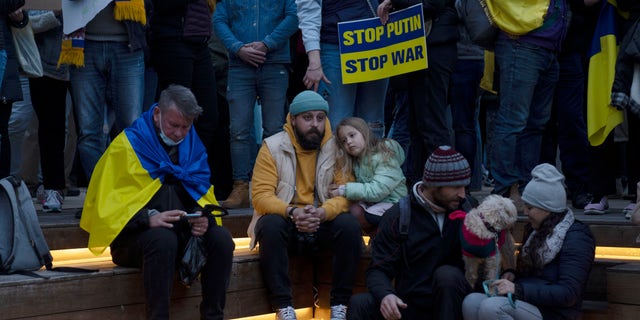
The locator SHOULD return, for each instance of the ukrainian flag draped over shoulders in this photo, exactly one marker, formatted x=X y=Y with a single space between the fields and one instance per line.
x=131 y=171
x=601 y=116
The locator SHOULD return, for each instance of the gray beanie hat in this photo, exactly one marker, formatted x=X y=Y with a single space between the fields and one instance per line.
x=308 y=101
x=545 y=190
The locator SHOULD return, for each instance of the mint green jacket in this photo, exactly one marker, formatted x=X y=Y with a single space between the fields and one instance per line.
x=377 y=180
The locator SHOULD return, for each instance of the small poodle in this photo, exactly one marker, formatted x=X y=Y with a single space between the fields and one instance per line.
x=484 y=228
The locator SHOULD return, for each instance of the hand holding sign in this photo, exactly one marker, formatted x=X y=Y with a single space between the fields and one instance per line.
x=383 y=11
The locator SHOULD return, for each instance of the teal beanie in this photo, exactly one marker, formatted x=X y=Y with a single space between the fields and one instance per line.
x=308 y=101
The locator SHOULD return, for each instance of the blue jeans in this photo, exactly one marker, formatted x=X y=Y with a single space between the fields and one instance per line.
x=112 y=79
x=364 y=100
x=528 y=76
x=3 y=65
x=244 y=84
x=567 y=128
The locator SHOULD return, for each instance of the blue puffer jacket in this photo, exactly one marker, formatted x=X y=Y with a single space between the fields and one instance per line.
x=238 y=22
x=558 y=290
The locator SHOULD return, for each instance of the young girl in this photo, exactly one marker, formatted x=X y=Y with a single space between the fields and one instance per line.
x=375 y=163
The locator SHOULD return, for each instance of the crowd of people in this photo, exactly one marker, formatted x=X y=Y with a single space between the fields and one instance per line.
x=250 y=99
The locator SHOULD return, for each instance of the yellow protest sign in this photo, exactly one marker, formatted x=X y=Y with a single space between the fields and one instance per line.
x=370 y=50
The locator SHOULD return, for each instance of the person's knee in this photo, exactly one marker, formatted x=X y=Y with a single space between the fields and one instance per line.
x=220 y=241
x=362 y=306
x=270 y=226
x=348 y=224
x=448 y=276
x=161 y=243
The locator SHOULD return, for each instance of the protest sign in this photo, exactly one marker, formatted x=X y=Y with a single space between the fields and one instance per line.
x=370 y=50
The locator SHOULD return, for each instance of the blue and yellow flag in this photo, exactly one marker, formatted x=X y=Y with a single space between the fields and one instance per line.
x=131 y=171
x=601 y=116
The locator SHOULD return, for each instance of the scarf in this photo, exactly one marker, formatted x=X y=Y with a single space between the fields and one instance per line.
x=552 y=245
x=72 y=52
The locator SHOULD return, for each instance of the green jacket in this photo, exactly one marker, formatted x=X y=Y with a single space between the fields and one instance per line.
x=378 y=180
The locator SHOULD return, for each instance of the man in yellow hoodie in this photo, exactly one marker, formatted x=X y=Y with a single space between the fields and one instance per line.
x=290 y=189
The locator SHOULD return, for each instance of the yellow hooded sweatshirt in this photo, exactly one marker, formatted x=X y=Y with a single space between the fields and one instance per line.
x=287 y=175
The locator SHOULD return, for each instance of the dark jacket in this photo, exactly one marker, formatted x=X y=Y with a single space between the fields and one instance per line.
x=444 y=17
x=558 y=290
x=181 y=19
x=6 y=7
x=11 y=89
x=412 y=261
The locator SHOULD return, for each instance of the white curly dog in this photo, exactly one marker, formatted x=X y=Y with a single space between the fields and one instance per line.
x=485 y=228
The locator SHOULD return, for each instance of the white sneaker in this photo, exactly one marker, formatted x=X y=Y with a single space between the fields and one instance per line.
x=339 y=312
x=51 y=201
x=287 y=313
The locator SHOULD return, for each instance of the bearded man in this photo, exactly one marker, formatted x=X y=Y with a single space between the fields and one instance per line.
x=420 y=275
x=293 y=213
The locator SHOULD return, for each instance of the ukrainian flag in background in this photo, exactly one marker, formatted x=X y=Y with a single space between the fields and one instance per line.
x=132 y=171
x=601 y=116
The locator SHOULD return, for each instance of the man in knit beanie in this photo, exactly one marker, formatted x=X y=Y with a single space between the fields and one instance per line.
x=427 y=259
x=293 y=213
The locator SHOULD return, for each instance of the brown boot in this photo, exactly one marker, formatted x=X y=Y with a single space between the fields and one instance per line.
x=239 y=196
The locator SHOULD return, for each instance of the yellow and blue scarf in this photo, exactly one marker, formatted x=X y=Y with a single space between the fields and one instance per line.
x=131 y=171
x=72 y=52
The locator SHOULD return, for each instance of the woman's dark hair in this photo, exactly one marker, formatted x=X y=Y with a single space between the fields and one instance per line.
x=529 y=264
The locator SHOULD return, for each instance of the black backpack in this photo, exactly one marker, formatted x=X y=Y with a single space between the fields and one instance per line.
x=23 y=248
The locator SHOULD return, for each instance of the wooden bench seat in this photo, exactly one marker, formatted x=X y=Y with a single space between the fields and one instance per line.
x=116 y=293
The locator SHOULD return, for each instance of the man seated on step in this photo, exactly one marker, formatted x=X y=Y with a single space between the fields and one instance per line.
x=150 y=177
x=290 y=189
x=420 y=275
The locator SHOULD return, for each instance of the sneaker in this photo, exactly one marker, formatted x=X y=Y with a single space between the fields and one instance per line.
x=287 y=313
x=339 y=312
x=628 y=210
x=599 y=207
x=51 y=200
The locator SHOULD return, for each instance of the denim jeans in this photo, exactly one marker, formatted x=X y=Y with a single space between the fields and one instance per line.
x=567 y=128
x=111 y=80
x=528 y=76
x=245 y=84
x=478 y=306
x=3 y=65
x=21 y=114
x=364 y=100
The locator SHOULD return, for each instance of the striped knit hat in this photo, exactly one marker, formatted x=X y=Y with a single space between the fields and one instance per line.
x=446 y=167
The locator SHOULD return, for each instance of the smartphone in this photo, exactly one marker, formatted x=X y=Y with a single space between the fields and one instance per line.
x=193 y=215
x=324 y=90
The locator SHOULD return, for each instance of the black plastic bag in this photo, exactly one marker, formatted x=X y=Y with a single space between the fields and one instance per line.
x=194 y=258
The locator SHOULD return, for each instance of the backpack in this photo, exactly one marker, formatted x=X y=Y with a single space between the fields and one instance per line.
x=23 y=248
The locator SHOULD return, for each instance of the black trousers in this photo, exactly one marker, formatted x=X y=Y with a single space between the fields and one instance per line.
x=49 y=99
x=278 y=238
x=157 y=250
x=449 y=289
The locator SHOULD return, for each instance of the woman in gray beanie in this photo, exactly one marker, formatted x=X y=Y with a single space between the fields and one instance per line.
x=553 y=264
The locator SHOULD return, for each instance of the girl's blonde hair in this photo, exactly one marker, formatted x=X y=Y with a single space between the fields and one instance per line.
x=372 y=145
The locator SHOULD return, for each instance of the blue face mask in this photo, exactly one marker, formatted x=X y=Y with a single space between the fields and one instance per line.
x=166 y=139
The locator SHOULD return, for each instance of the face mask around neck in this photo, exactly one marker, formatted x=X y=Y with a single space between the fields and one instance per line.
x=166 y=139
